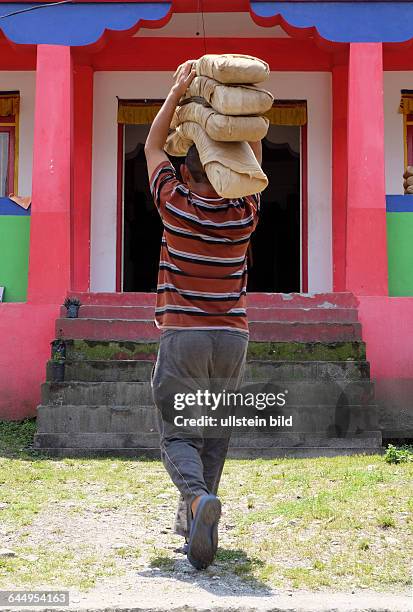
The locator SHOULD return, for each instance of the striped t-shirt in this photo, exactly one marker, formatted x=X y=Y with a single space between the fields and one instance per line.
x=203 y=262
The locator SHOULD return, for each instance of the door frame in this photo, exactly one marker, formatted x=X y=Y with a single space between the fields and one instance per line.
x=303 y=207
x=120 y=208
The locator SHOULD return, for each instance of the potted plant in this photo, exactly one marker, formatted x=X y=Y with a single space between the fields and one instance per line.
x=72 y=306
x=58 y=359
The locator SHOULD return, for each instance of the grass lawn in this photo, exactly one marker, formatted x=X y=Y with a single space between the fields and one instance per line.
x=327 y=523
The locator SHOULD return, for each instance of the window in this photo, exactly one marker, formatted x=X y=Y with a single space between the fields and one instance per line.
x=408 y=140
x=9 y=117
x=7 y=158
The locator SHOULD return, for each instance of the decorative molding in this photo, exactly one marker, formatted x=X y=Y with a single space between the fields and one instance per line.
x=80 y=24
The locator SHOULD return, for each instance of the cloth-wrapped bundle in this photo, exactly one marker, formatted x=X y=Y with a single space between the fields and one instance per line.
x=222 y=127
x=233 y=68
x=221 y=112
x=231 y=167
x=408 y=180
x=230 y=99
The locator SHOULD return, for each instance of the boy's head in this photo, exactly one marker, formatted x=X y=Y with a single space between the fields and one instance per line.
x=192 y=171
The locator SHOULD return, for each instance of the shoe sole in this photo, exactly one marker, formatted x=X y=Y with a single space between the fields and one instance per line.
x=203 y=542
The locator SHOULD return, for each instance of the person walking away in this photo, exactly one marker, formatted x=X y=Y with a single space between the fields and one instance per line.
x=201 y=312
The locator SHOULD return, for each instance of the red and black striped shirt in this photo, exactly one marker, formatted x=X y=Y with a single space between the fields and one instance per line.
x=203 y=263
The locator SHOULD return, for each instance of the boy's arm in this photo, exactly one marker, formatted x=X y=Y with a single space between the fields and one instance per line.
x=154 y=146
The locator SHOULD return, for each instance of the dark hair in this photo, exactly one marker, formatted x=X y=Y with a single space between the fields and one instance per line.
x=193 y=163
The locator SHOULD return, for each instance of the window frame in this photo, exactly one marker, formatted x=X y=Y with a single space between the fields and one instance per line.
x=408 y=140
x=10 y=125
x=10 y=130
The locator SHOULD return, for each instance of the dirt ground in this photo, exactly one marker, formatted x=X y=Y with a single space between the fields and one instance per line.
x=169 y=582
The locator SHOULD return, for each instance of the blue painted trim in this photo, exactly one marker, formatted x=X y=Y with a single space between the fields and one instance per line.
x=75 y=24
x=84 y=24
x=10 y=208
x=399 y=203
x=346 y=21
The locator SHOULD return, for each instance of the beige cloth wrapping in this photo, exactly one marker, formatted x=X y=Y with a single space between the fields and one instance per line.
x=222 y=127
x=233 y=68
x=177 y=145
x=408 y=180
x=231 y=167
x=231 y=99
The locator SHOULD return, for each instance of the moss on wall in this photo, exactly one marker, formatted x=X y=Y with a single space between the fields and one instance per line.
x=274 y=351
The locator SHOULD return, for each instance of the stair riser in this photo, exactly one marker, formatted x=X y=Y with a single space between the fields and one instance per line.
x=305 y=315
x=102 y=329
x=305 y=452
x=304 y=332
x=105 y=394
x=93 y=311
x=120 y=441
x=300 y=393
x=105 y=371
x=320 y=420
x=312 y=370
x=140 y=371
x=233 y=453
x=344 y=315
x=78 y=350
x=95 y=419
x=284 y=300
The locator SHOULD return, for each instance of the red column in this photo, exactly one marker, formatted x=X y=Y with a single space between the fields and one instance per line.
x=366 y=250
x=339 y=187
x=82 y=167
x=49 y=264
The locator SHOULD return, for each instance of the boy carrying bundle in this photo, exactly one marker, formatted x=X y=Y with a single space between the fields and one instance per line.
x=200 y=310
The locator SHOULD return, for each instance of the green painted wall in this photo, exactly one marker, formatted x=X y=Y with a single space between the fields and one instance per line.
x=400 y=253
x=14 y=256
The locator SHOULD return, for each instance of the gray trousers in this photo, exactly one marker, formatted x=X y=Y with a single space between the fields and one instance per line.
x=189 y=360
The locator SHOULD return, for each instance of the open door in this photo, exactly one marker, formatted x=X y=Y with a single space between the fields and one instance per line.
x=278 y=247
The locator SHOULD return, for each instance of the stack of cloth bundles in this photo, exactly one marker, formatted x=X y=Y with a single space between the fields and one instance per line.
x=221 y=112
x=408 y=180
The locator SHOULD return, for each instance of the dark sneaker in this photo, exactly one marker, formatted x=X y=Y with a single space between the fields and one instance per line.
x=182 y=549
x=203 y=538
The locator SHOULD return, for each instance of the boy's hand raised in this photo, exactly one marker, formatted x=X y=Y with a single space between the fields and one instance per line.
x=184 y=76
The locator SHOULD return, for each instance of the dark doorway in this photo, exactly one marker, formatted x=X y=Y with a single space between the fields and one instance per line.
x=275 y=265
x=276 y=243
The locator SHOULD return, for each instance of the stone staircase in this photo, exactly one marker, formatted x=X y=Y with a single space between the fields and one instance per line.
x=308 y=344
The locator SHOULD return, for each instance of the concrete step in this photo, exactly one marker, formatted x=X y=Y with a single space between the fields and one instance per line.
x=304 y=314
x=88 y=349
x=103 y=350
x=286 y=445
x=140 y=370
x=299 y=452
x=284 y=300
x=295 y=452
x=307 y=370
x=93 y=393
x=304 y=332
x=95 y=419
x=298 y=393
x=119 y=329
x=120 y=370
x=264 y=313
x=362 y=440
x=105 y=311
x=325 y=420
